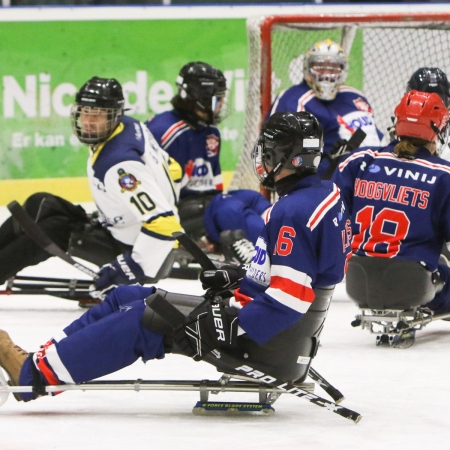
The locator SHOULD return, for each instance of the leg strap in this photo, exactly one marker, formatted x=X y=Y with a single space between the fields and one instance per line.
x=38 y=384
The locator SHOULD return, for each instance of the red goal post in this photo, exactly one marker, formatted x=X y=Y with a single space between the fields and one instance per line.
x=384 y=50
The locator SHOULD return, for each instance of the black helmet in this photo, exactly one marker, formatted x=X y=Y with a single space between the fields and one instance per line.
x=201 y=87
x=430 y=79
x=97 y=97
x=287 y=140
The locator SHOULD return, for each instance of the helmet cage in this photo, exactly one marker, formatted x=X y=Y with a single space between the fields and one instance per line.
x=326 y=80
x=94 y=125
x=291 y=148
x=97 y=111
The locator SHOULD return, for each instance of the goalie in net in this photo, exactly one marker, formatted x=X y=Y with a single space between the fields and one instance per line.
x=340 y=109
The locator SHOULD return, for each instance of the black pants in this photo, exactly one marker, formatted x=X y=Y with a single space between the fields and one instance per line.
x=66 y=224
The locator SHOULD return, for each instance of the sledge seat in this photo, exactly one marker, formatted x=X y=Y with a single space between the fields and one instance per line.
x=389 y=284
x=288 y=355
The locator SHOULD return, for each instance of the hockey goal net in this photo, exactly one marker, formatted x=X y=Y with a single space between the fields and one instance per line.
x=384 y=50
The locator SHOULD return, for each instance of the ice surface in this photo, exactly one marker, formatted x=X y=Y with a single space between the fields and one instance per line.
x=403 y=395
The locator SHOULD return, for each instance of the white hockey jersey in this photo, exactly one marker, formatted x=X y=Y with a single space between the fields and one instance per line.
x=132 y=183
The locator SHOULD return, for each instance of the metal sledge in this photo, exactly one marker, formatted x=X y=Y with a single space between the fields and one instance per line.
x=267 y=395
x=266 y=376
x=390 y=293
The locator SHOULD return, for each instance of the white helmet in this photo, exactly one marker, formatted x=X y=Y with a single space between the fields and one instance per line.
x=325 y=68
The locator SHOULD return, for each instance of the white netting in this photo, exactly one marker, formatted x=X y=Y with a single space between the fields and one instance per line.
x=385 y=53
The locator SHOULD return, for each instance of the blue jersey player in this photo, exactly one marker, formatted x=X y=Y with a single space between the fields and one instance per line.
x=302 y=247
x=399 y=196
x=340 y=109
x=190 y=135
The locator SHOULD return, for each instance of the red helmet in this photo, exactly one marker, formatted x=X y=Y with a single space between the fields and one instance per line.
x=421 y=115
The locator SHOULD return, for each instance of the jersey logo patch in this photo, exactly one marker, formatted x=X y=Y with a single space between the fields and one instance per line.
x=212 y=145
x=362 y=105
x=127 y=181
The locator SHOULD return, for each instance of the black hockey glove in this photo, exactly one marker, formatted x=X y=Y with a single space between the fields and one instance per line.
x=228 y=276
x=123 y=270
x=207 y=328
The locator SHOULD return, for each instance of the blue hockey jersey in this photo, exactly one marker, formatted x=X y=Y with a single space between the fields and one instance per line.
x=400 y=207
x=303 y=245
x=339 y=118
x=197 y=151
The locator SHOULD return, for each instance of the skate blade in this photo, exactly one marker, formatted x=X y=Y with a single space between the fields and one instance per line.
x=232 y=408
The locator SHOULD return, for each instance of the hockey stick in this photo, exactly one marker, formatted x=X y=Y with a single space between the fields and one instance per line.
x=334 y=393
x=195 y=251
x=170 y=314
x=207 y=264
x=352 y=144
x=40 y=237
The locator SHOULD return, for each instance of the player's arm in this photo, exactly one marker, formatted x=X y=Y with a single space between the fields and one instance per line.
x=289 y=294
x=145 y=206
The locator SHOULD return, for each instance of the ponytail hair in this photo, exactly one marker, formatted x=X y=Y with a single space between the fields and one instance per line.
x=408 y=146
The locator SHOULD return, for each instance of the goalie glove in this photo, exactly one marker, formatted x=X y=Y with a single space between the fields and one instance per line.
x=123 y=270
x=228 y=276
x=207 y=328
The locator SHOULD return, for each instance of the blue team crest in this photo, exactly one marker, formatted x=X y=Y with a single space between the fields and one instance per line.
x=127 y=181
x=297 y=161
x=212 y=145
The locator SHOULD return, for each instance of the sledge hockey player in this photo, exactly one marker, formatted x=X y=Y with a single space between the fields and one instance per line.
x=340 y=109
x=399 y=196
x=430 y=79
x=190 y=135
x=129 y=178
x=303 y=247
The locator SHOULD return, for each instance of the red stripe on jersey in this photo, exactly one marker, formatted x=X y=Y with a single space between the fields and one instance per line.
x=317 y=216
x=173 y=129
x=46 y=371
x=241 y=298
x=297 y=290
x=267 y=216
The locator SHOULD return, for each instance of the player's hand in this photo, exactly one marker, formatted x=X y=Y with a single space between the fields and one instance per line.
x=207 y=328
x=123 y=270
x=228 y=276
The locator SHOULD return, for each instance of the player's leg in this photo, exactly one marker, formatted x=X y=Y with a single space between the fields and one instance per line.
x=117 y=300
x=110 y=344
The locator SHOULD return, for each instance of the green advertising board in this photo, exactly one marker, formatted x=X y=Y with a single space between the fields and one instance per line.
x=45 y=63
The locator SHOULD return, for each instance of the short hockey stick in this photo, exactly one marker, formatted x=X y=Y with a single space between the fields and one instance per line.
x=40 y=237
x=195 y=251
x=175 y=318
x=334 y=393
x=353 y=143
